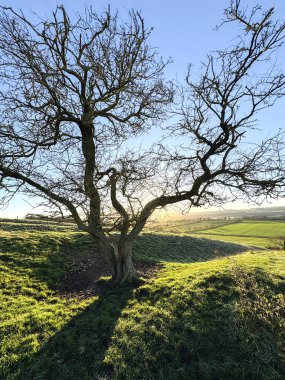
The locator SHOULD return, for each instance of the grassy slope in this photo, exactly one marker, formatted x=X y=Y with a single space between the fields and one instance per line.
x=30 y=311
x=201 y=318
x=189 y=323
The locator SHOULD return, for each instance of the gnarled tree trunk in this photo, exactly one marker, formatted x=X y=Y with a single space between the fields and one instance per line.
x=119 y=257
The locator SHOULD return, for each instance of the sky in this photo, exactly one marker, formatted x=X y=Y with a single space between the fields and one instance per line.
x=182 y=30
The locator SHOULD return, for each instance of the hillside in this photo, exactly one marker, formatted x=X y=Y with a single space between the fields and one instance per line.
x=209 y=310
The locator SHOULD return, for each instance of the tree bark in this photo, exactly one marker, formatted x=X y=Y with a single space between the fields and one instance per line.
x=119 y=257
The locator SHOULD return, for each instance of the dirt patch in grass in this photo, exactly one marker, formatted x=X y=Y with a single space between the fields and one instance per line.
x=83 y=279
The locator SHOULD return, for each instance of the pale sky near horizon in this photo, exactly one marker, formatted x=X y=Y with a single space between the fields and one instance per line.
x=183 y=30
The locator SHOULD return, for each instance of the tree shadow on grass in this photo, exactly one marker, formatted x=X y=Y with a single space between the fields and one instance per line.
x=195 y=334
x=78 y=349
x=183 y=249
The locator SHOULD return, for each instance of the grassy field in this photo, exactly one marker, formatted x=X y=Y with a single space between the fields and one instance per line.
x=252 y=228
x=248 y=232
x=213 y=311
x=185 y=227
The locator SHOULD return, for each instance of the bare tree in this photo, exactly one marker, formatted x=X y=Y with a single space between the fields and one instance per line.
x=73 y=92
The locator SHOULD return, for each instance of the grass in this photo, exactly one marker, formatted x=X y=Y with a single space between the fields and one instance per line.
x=190 y=324
x=213 y=312
x=247 y=232
x=31 y=311
x=244 y=240
x=183 y=249
x=185 y=227
x=251 y=228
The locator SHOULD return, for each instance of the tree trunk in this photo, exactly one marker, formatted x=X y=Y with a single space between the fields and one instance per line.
x=119 y=257
x=124 y=269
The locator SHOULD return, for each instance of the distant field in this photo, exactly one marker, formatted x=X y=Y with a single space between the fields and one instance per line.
x=35 y=226
x=249 y=232
x=185 y=227
x=251 y=228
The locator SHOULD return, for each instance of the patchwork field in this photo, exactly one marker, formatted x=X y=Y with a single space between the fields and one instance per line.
x=251 y=228
x=248 y=232
x=185 y=227
x=208 y=309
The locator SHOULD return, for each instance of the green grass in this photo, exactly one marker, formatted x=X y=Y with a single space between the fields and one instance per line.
x=213 y=312
x=245 y=240
x=251 y=233
x=185 y=227
x=30 y=310
x=251 y=228
x=248 y=232
x=184 y=249
x=189 y=324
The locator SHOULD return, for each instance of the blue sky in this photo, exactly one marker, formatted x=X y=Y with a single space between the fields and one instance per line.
x=183 y=30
